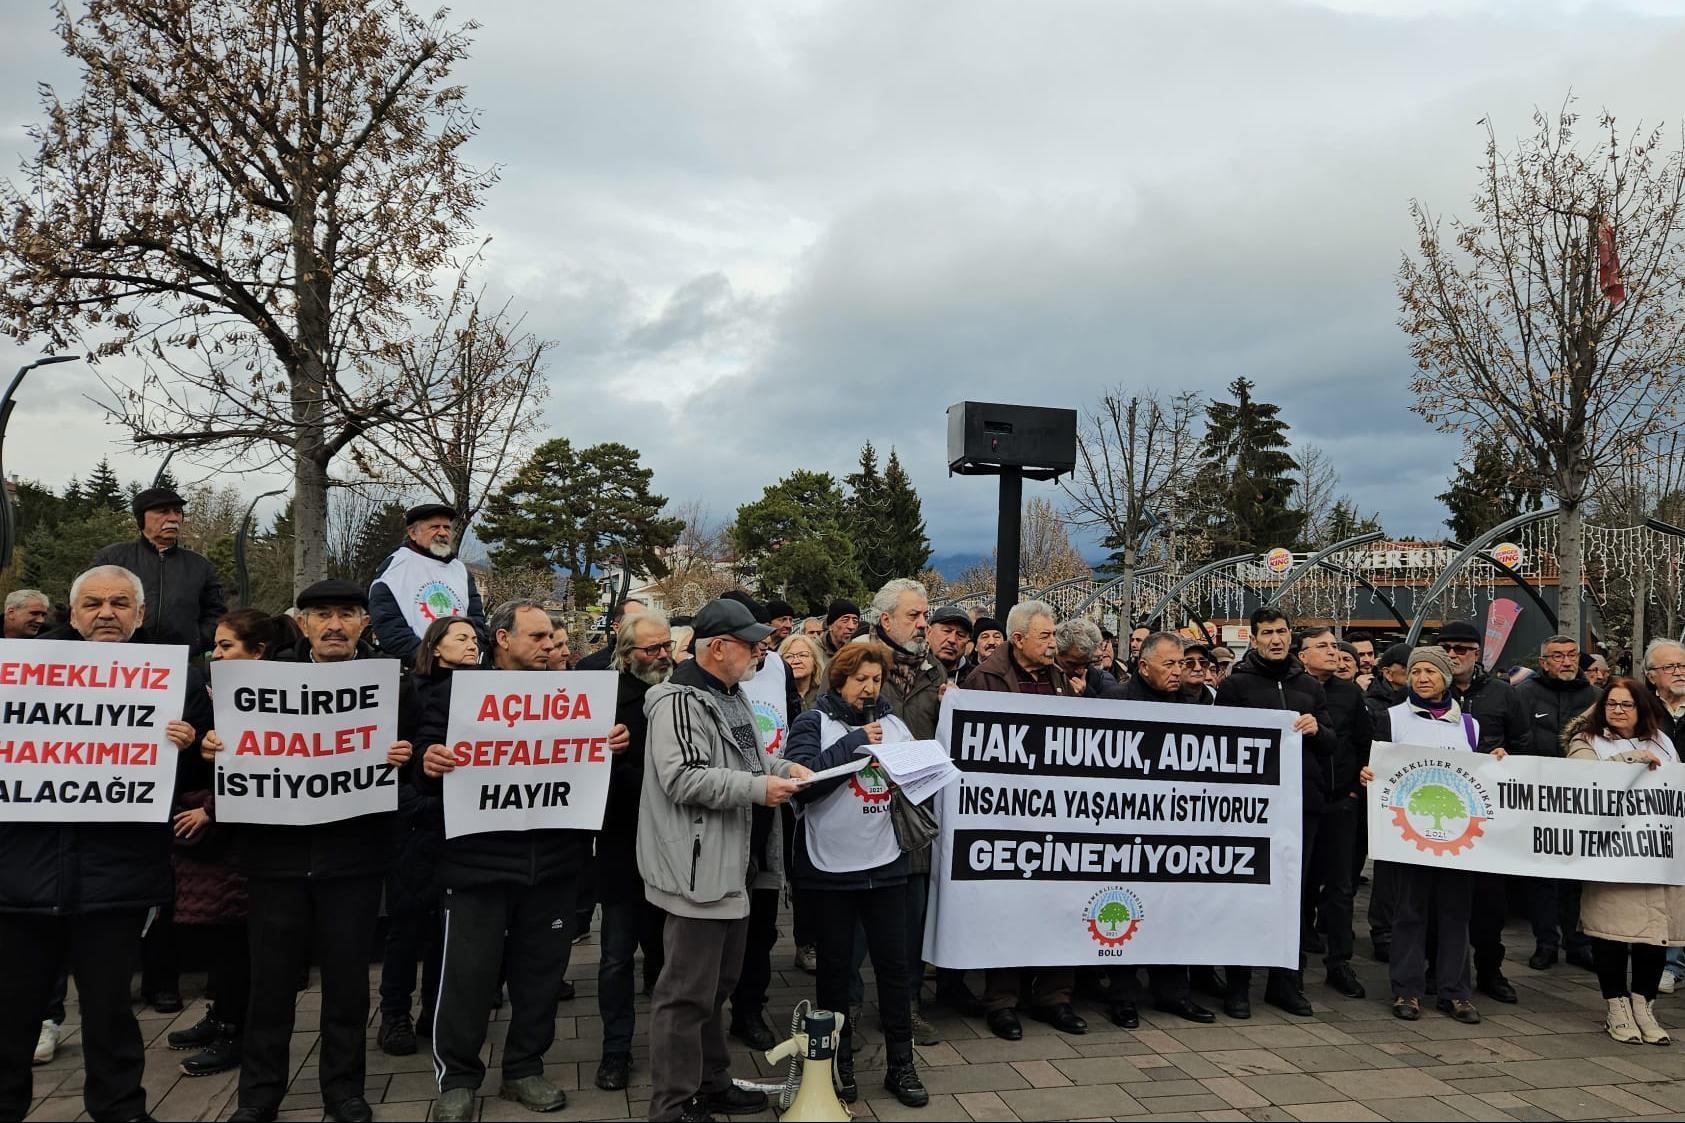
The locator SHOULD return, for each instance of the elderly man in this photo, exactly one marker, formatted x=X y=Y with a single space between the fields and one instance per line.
x=26 y=613
x=1597 y=671
x=783 y=621
x=183 y=592
x=1027 y=664
x=988 y=634
x=1551 y=699
x=506 y=896
x=842 y=620
x=1199 y=673
x=1664 y=670
x=643 y=654
x=79 y=893
x=1078 y=642
x=314 y=894
x=949 y=637
x=708 y=797
x=1269 y=678
x=421 y=581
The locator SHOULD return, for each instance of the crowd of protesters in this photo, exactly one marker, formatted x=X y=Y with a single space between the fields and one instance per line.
x=707 y=824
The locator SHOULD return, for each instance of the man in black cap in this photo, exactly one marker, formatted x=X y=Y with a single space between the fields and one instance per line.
x=948 y=636
x=184 y=596
x=782 y=617
x=705 y=827
x=314 y=894
x=842 y=621
x=987 y=635
x=421 y=581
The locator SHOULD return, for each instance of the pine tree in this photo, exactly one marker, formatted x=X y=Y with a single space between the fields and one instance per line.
x=1244 y=489
x=104 y=491
x=795 y=538
x=904 y=515
x=1490 y=487
x=864 y=515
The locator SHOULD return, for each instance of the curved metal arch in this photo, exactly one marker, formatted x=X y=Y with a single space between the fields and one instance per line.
x=1175 y=593
x=1103 y=590
x=242 y=576
x=1472 y=550
x=1353 y=575
x=1524 y=585
x=1293 y=575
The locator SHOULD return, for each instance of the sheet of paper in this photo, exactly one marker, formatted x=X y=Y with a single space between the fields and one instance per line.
x=838 y=772
x=905 y=760
x=923 y=787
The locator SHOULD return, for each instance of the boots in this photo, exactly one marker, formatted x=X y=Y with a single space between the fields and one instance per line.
x=902 y=1079
x=1644 y=1016
x=847 y=1090
x=1619 y=1023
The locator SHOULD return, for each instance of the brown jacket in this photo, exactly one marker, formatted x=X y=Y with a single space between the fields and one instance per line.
x=997 y=673
x=1629 y=914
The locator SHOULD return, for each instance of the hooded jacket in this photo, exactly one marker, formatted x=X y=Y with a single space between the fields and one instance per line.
x=184 y=598
x=702 y=785
x=1550 y=704
x=1254 y=683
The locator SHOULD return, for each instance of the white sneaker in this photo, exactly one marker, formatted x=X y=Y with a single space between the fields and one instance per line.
x=1644 y=1015
x=1669 y=981
x=47 y=1045
x=1619 y=1023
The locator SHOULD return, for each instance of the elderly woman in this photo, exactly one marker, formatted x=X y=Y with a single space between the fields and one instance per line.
x=848 y=857
x=801 y=654
x=1429 y=717
x=1628 y=923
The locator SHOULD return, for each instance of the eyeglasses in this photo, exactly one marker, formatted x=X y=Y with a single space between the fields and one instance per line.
x=1620 y=705
x=1670 y=668
x=1319 y=646
x=654 y=649
x=1460 y=648
x=1560 y=655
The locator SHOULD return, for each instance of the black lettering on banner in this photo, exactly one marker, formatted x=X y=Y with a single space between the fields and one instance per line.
x=984 y=855
x=1047 y=745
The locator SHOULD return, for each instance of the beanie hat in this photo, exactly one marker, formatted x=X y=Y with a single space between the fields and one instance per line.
x=986 y=624
x=1434 y=656
x=840 y=608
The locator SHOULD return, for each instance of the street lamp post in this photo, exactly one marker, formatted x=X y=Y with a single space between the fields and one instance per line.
x=8 y=523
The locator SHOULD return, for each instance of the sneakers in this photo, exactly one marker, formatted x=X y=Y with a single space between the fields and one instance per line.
x=454 y=1106
x=923 y=1032
x=1669 y=981
x=1644 y=1016
x=397 y=1035
x=221 y=1056
x=47 y=1045
x=533 y=1093
x=202 y=1035
x=1460 y=1009
x=1618 y=1023
x=848 y=1091
x=807 y=959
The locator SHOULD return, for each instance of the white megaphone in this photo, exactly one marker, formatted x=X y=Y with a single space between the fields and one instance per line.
x=809 y=1091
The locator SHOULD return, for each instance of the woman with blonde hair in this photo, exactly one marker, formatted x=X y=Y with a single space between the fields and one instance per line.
x=807 y=666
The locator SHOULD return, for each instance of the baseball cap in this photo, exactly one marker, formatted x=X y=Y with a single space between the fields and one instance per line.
x=724 y=617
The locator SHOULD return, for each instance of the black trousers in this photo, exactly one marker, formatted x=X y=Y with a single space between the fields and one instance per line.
x=749 y=996
x=1239 y=978
x=413 y=931
x=1424 y=893
x=1336 y=835
x=228 y=970
x=1487 y=912
x=801 y=899
x=1383 y=901
x=882 y=912
x=527 y=929
x=626 y=925
x=103 y=950
x=1612 y=957
x=293 y=922
x=160 y=955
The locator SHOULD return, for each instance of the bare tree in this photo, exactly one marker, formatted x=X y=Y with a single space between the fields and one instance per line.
x=700 y=562
x=1045 y=551
x=488 y=375
x=1135 y=455
x=1551 y=321
x=253 y=197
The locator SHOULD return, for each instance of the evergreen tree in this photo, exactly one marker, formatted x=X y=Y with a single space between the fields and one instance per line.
x=1490 y=487
x=885 y=520
x=104 y=491
x=578 y=510
x=795 y=538
x=54 y=555
x=1243 y=492
x=381 y=531
x=904 y=515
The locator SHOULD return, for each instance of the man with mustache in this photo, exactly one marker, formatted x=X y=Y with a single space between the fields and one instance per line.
x=422 y=581
x=184 y=596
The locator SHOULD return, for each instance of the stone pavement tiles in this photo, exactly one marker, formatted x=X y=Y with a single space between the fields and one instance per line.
x=1545 y=1058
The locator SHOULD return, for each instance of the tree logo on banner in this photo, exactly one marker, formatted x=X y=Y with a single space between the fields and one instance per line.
x=1438 y=807
x=870 y=784
x=1113 y=916
x=770 y=721
x=436 y=600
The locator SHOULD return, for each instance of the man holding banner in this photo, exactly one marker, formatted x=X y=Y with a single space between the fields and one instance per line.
x=87 y=855
x=308 y=753
x=523 y=763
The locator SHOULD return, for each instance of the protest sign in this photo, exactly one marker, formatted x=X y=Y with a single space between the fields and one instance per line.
x=1539 y=816
x=531 y=750
x=1089 y=831
x=304 y=742
x=83 y=730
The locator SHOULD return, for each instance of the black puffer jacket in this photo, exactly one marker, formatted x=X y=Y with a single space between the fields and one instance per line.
x=1550 y=704
x=492 y=857
x=1257 y=684
x=1503 y=716
x=1354 y=732
x=806 y=748
x=617 y=842
x=1380 y=697
x=184 y=596
x=357 y=847
x=68 y=869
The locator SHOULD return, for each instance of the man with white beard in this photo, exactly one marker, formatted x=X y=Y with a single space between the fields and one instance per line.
x=422 y=581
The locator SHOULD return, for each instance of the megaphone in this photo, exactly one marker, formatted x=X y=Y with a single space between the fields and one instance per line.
x=809 y=1091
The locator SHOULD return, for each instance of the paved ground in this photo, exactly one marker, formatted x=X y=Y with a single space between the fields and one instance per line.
x=1545 y=1058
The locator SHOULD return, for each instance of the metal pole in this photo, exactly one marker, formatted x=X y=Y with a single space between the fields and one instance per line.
x=242 y=576
x=9 y=523
x=1007 y=536
x=1443 y=581
x=158 y=480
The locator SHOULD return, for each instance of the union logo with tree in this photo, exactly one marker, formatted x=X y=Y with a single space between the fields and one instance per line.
x=1438 y=807
x=1113 y=916
x=870 y=783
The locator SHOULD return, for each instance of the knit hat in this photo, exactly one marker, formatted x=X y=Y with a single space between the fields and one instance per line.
x=1434 y=656
x=777 y=609
x=986 y=624
x=840 y=608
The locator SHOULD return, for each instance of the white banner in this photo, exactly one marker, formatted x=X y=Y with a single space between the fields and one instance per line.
x=1085 y=831
x=82 y=730
x=768 y=695
x=1580 y=820
x=531 y=750
x=304 y=743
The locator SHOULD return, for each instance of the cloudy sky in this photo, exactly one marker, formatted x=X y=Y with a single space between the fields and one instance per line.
x=763 y=233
